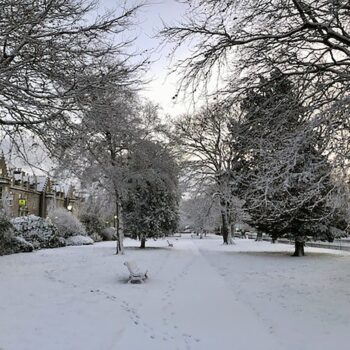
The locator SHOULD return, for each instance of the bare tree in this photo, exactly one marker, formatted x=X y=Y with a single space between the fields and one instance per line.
x=300 y=37
x=205 y=141
x=96 y=149
x=112 y=146
x=200 y=213
x=306 y=40
x=52 y=53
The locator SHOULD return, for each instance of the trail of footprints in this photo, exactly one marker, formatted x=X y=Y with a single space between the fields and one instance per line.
x=239 y=297
x=168 y=323
x=50 y=275
x=168 y=316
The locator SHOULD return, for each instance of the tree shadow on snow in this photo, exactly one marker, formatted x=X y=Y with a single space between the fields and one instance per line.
x=147 y=248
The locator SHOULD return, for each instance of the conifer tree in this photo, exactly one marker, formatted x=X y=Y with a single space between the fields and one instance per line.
x=150 y=207
x=285 y=178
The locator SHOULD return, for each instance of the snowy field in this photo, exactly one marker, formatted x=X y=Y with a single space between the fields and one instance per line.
x=200 y=295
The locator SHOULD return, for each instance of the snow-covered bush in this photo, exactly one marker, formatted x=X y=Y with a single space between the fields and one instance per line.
x=109 y=234
x=6 y=234
x=66 y=223
x=9 y=242
x=19 y=244
x=37 y=231
x=79 y=240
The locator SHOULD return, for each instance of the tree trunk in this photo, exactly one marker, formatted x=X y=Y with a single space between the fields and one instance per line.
x=299 y=248
x=121 y=241
x=224 y=231
x=120 y=235
x=230 y=234
x=143 y=242
x=224 y=227
x=258 y=236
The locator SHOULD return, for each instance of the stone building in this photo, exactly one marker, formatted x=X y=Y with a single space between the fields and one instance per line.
x=22 y=194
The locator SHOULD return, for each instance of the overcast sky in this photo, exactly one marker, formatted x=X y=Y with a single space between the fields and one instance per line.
x=162 y=87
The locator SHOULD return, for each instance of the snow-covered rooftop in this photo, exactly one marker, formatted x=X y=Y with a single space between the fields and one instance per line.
x=41 y=183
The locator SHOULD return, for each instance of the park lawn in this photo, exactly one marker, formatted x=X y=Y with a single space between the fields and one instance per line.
x=200 y=295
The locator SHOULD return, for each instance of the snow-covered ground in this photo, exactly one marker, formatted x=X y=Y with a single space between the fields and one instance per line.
x=200 y=295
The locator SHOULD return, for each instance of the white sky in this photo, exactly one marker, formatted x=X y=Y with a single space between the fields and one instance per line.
x=162 y=87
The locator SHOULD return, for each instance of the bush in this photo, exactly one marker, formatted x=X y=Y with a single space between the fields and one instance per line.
x=79 y=240
x=6 y=234
x=19 y=244
x=37 y=231
x=109 y=234
x=66 y=223
x=9 y=242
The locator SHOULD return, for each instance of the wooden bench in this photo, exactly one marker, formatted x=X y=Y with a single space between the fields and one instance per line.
x=136 y=276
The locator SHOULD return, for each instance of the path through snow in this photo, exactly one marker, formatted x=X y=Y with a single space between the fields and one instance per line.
x=200 y=295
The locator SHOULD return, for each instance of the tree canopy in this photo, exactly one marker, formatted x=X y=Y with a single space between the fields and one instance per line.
x=53 y=53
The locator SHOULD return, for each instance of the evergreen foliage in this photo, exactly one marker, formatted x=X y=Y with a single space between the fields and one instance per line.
x=6 y=234
x=285 y=178
x=39 y=232
x=93 y=224
x=150 y=207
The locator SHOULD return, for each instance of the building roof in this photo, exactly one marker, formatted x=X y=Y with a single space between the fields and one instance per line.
x=41 y=183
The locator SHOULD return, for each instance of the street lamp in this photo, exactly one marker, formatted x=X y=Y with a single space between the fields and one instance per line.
x=115 y=218
x=69 y=207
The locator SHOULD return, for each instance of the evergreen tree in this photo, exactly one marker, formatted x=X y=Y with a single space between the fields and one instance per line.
x=285 y=178
x=150 y=207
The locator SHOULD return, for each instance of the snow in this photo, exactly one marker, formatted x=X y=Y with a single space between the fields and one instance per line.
x=41 y=183
x=79 y=240
x=37 y=231
x=199 y=295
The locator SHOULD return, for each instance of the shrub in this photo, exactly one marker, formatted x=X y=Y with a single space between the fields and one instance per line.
x=37 y=231
x=79 y=240
x=6 y=234
x=109 y=234
x=19 y=244
x=9 y=242
x=66 y=223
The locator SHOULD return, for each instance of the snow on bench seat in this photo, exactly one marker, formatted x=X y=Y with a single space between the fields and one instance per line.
x=136 y=275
